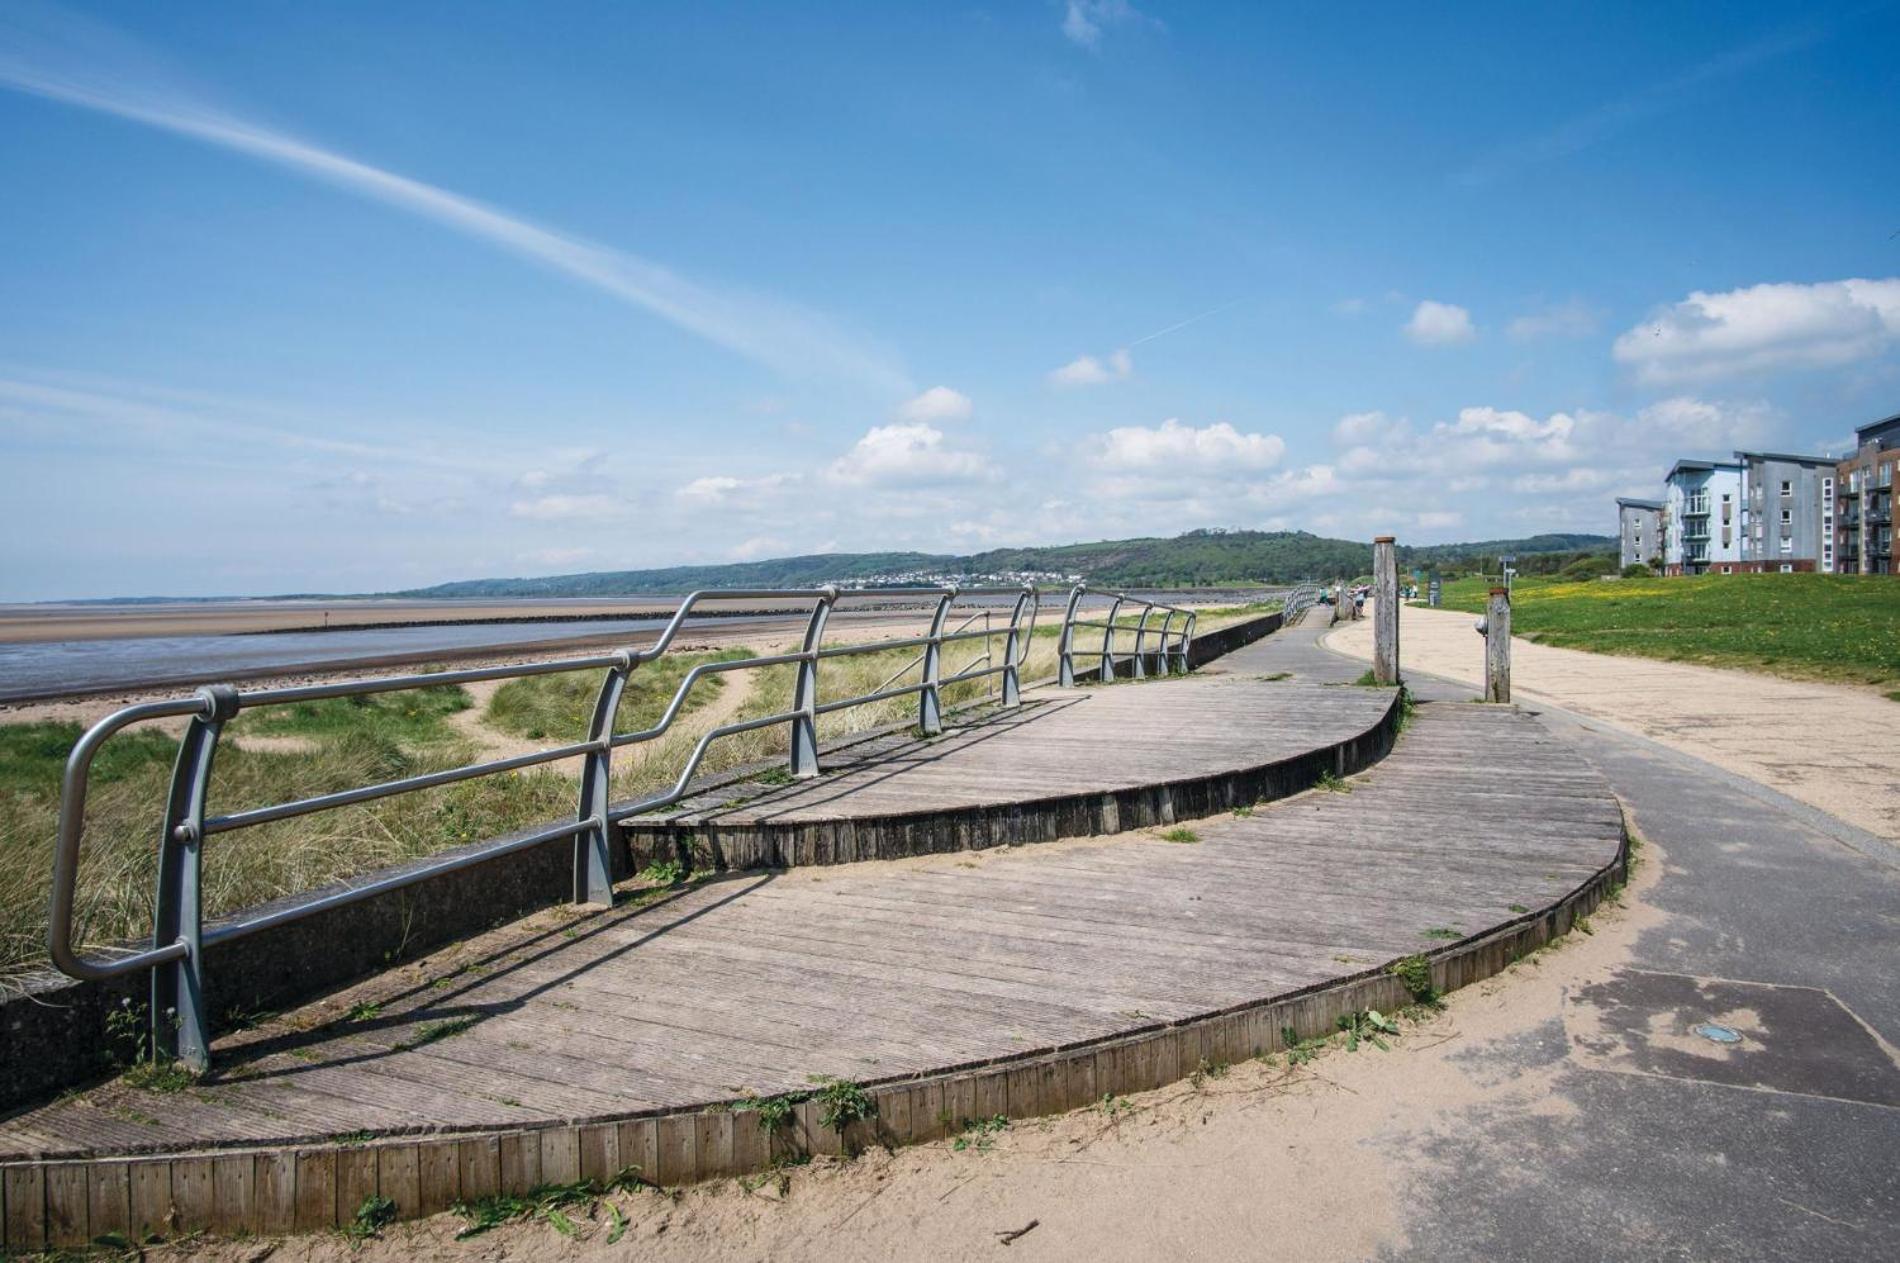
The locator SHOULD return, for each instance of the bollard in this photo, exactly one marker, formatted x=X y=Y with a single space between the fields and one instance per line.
x=1497 y=647
x=1385 y=612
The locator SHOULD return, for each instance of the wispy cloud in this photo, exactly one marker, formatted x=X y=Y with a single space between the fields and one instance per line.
x=50 y=54
x=1083 y=21
x=1594 y=126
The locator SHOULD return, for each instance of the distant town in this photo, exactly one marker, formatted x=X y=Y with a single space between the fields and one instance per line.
x=1770 y=513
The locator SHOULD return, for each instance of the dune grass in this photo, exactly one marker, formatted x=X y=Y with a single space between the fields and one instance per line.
x=560 y=707
x=1805 y=626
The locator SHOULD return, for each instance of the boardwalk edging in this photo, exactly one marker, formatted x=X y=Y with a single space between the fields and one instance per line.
x=310 y=1188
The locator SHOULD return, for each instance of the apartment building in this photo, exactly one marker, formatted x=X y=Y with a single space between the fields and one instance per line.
x=1639 y=538
x=1702 y=507
x=1787 y=513
x=1863 y=500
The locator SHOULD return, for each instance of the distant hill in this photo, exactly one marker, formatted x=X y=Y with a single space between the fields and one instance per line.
x=1197 y=559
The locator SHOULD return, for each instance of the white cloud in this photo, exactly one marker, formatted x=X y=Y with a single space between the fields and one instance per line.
x=1764 y=328
x=1083 y=21
x=1360 y=427
x=1439 y=324
x=565 y=508
x=1572 y=319
x=722 y=489
x=84 y=63
x=908 y=453
x=1175 y=448
x=1086 y=370
x=939 y=403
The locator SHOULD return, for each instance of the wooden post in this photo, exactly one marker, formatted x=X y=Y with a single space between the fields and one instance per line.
x=1497 y=647
x=1385 y=612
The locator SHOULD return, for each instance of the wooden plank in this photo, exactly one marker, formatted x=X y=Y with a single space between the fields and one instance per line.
x=233 y=1192
x=438 y=1176
x=560 y=1155
x=356 y=1181
x=193 y=1202
x=480 y=1158
x=640 y=1148
x=600 y=1152
x=678 y=1138
x=520 y=1162
x=109 y=1208
x=150 y=1188
x=713 y=1144
x=275 y=1204
x=399 y=1177
x=24 y=1188
x=316 y=1189
x=67 y=1214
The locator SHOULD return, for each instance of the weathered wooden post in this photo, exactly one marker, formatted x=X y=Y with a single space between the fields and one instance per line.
x=1497 y=646
x=1385 y=612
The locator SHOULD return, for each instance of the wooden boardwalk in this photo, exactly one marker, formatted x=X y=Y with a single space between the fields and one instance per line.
x=1069 y=763
x=757 y=983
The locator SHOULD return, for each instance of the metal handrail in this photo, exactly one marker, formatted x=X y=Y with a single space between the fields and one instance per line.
x=1170 y=655
x=180 y=1028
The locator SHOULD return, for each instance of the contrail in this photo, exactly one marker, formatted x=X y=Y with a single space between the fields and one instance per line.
x=82 y=64
x=1182 y=324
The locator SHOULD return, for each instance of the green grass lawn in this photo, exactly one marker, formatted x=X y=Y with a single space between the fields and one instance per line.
x=1807 y=626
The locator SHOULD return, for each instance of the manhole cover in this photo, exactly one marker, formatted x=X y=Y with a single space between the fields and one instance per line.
x=1718 y=1034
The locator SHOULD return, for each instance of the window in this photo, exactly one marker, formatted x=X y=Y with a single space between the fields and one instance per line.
x=1787 y=545
x=1787 y=487
x=1786 y=568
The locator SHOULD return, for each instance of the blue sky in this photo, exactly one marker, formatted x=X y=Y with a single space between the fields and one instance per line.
x=362 y=296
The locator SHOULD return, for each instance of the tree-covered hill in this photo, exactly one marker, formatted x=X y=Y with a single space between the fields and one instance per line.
x=1196 y=559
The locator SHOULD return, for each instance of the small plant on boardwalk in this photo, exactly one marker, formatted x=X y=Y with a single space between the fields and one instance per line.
x=980 y=1133
x=1332 y=784
x=1180 y=834
x=663 y=873
x=1243 y=811
x=1367 y=1024
x=373 y=1214
x=1408 y=706
x=365 y=1011
x=1450 y=934
x=1199 y=1076
x=1300 y=1051
x=1367 y=680
x=129 y=1045
x=547 y=1203
x=841 y=1103
x=775 y=1112
x=435 y=1032
x=775 y=776
x=1415 y=972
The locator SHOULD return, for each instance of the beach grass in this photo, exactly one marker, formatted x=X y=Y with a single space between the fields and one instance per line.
x=1843 y=628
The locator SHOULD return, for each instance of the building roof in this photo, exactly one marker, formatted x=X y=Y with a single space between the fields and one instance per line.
x=1627 y=503
x=1699 y=467
x=1792 y=459
x=1887 y=428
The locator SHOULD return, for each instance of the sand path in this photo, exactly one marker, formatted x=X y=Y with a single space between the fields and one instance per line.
x=1830 y=746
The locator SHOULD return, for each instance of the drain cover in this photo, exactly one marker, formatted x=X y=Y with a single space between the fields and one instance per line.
x=1719 y=1034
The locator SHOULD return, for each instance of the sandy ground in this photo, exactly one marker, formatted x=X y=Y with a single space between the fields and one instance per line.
x=1257 y=1160
x=1830 y=746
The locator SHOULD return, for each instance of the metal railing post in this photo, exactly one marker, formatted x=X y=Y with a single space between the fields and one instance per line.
x=1141 y=642
x=1164 y=665
x=1013 y=650
x=930 y=700
x=593 y=871
x=180 y=1026
x=1108 y=642
x=1187 y=638
x=1065 y=651
x=804 y=758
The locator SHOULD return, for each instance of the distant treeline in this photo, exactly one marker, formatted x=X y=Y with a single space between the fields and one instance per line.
x=1205 y=558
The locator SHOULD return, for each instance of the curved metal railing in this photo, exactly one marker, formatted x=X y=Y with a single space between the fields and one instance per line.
x=179 y=937
x=1169 y=654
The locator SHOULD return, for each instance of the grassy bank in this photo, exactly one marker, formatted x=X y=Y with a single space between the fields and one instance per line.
x=1805 y=626
x=281 y=753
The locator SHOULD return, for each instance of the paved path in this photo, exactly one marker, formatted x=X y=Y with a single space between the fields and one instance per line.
x=1827 y=745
